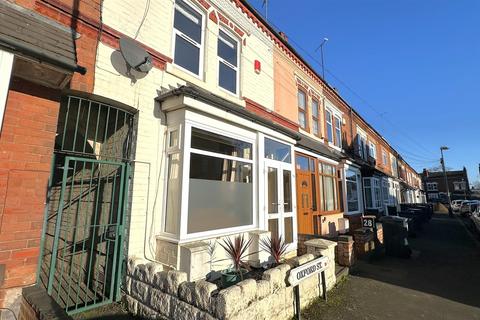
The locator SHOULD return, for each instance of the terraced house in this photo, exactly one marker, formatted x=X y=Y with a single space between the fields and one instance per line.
x=221 y=129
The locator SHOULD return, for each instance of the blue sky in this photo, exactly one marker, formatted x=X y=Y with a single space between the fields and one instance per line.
x=413 y=67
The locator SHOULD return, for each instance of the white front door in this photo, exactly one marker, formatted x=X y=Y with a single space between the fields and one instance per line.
x=280 y=201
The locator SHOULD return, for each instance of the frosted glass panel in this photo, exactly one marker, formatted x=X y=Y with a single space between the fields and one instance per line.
x=288 y=229
x=329 y=192
x=218 y=204
x=273 y=228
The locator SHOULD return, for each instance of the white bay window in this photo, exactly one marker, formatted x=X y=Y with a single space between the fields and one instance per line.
x=220 y=182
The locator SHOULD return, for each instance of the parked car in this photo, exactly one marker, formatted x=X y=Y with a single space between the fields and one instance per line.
x=468 y=206
x=456 y=205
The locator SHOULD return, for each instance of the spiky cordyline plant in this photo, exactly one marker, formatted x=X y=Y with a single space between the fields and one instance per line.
x=275 y=246
x=236 y=252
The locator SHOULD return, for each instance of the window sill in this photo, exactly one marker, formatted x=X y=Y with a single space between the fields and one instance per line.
x=329 y=213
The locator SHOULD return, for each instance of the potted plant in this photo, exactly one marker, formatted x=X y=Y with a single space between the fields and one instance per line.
x=236 y=251
x=275 y=246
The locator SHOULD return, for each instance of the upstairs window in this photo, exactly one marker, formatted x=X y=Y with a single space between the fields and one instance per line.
x=432 y=186
x=227 y=62
x=188 y=43
x=334 y=128
x=338 y=131
x=373 y=150
x=328 y=121
x=384 y=157
x=302 y=109
x=315 y=118
x=362 y=145
x=373 y=193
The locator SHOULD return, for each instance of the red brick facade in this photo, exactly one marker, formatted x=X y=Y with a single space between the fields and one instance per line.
x=26 y=148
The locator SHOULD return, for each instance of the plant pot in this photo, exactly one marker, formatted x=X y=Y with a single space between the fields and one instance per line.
x=231 y=277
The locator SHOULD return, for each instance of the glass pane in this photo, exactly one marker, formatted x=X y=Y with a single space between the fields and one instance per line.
x=273 y=228
x=368 y=197
x=187 y=55
x=227 y=78
x=329 y=191
x=328 y=169
x=188 y=21
x=329 y=132
x=338 y=133
x=272 y=190
x=315 y=127
x=314 y=193
x=218 y=169
x=217 y=205
x=352 y=195
x=315 y=108
x=288 y=222
x=227 y=48
x=287 y=191
x=301 y=119
x=209 y=141
x=275 y=150
x=302 y=163
x=173 y=194
x=301 y=99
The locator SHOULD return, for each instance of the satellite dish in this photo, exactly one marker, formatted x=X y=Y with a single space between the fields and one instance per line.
x=135 y=56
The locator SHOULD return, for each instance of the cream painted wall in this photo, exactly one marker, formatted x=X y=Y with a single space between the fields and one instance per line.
x=156 y=32
x=125 y=16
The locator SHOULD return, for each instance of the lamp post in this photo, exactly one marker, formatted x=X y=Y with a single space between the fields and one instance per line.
x=442 y=160
x=321 y=54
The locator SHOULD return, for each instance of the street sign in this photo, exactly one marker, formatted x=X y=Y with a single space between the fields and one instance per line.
x=307 y=270
x=368 y=221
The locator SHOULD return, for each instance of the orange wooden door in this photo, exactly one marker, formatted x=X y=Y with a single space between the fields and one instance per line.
x=304 y=202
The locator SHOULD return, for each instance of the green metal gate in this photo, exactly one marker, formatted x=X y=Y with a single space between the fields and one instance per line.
x=83 y=244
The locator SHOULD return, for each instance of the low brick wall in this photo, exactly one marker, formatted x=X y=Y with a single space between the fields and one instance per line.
x=154 y=293
x=364 y=242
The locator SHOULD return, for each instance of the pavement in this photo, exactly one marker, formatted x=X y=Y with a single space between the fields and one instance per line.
x=440 y=281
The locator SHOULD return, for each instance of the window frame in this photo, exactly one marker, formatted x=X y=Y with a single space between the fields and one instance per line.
x=201 y=47
x=374 y=186
x=321 y=201
x=372 y=149
x=184 y=235
x=362 y=144
x=432 y=186
x=384 y=157
x=304 y=111
x=228 y=64
x=358 y=181
x=316 y=119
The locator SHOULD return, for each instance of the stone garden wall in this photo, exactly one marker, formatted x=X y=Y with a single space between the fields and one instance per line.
x=154 y=293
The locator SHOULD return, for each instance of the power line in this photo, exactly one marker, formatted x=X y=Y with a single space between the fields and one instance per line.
x=379 y=114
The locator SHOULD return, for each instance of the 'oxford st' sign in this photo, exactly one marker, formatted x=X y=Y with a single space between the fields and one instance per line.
x=305 y=271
